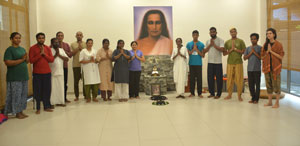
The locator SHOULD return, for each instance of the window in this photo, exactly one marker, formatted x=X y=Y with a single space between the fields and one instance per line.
x=284 y=16
x=295 y=82
x=13 y=17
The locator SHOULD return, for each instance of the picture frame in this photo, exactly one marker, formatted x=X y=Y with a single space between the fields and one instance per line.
x=155 y=90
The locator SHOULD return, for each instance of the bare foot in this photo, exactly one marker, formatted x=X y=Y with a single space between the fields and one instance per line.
x=275 y=106
x=68 y=101
x=137 y=97
x=48 y=110
x=95 y=100
x=24 y=114
x=37 y=112
x=88 y=100
x=240 y=99
x=268 y=104
x=210 y=96
x=20 y=116
x=250 y=101
x=76 y=99
x=191 y=95
x=217 y=97
x=227 y=98
x=200 y=96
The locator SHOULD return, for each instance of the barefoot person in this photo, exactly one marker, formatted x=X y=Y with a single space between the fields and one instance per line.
x=135 y=70
x=76 y=48
x=57 y=74
x=90 y=71
x=180 y=58
x=215 y=48
x=272 y=54
x=15 y=58
x=105 y=69
x=40 y=56
x=121 y=71
x=195 y=50
x=65 y=46
x=252 y=54
x=234 y=48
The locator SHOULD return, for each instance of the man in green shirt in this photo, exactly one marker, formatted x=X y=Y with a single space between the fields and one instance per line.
x=234 y=48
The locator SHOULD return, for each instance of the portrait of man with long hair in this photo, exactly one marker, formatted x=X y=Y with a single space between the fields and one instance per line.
x=153 y=34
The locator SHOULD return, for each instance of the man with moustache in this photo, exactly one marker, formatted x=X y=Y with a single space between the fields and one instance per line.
x=40 y=56
x=215 y=47
x=65 y=46
x=234 y=48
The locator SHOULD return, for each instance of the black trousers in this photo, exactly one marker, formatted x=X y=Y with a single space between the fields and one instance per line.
x=254 y=84
x=196 y=75
x=134 y=83
x=42 y=90
x=215 y=70
x=77 y=76
x=66 y=82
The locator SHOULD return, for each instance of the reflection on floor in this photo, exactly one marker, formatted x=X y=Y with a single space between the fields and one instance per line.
x=184 y=122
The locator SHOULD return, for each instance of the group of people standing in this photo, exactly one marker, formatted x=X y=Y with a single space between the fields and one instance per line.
x=94 y=67
x=50 y=72
x=189 y=59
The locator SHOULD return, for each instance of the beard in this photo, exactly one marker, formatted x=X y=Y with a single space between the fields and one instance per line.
x=214 y=36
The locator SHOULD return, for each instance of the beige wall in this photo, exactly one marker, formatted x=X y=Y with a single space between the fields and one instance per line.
x=113 y=19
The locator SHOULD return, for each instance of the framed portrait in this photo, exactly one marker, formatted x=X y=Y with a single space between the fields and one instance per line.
x=153 y=29
x=155 y=90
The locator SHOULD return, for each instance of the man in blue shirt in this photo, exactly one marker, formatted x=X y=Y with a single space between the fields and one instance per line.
x=195 y=49
x=252 y=54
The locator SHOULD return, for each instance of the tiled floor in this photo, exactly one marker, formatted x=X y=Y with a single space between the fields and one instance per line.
x=184 y=122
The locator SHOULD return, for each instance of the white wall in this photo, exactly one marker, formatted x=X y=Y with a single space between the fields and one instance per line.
x=113 y=19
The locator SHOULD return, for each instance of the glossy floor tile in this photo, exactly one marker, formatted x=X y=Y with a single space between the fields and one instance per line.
x=184 y=122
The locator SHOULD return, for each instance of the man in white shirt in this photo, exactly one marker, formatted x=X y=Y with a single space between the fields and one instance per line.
x=57 y=74
x=215 y=47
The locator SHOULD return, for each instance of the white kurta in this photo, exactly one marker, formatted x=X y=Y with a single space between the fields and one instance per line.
x=90 y=70
x=57 y=78
x=180 y=69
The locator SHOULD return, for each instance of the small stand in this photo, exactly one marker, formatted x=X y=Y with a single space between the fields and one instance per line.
x=156 y=95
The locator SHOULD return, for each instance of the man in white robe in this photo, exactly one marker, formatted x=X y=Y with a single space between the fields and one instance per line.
x=57 y=74
x=180 y=58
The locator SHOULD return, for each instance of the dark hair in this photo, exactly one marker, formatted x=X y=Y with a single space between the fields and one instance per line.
x=195 y=32
x=212 y=28
x=89 y=39
x=255 y=34
x=59 y=33
x=164 y=28
x=12 y=35
x=119 y=41
x=133 y=43
x=38 y=34
x=52 y=40
x=105 y=40
x=267 y=40
x=178 y=39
